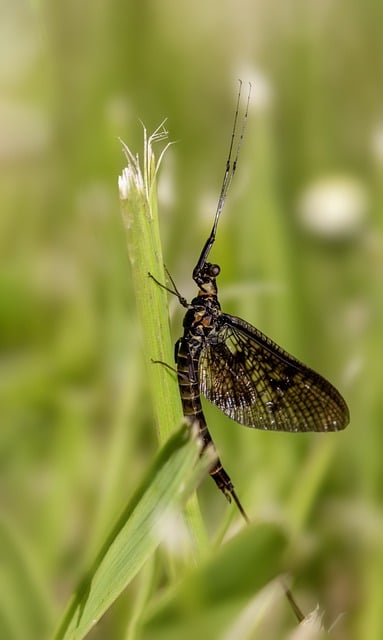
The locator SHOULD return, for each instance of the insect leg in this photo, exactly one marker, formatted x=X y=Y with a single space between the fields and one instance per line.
x=173 y=291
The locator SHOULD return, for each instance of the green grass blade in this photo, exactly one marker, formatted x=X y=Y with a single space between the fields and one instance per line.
x=139 y=211
x=139 y=208
x=211 y=597
x=169 y=482
x=22 y=586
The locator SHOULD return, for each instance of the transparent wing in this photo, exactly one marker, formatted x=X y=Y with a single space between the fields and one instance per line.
x=258 y=384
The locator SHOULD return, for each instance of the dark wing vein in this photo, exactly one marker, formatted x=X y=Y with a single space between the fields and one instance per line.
x=258 y=384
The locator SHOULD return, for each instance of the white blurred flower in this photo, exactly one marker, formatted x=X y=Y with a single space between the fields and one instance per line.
x=262 y=94
x=334 y=206
x=173 y=533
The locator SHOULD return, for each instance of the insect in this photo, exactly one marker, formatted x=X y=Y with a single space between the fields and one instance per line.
x=239 y=369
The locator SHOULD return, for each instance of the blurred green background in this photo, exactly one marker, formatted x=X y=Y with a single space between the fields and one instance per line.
x=300 y=247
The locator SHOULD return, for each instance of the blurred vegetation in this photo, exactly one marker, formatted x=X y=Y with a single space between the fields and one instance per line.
x=77 y=429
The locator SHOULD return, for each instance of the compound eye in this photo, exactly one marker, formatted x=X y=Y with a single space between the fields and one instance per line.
x=215 y=270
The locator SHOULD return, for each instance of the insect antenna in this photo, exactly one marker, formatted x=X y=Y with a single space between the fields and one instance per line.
x=230 y=168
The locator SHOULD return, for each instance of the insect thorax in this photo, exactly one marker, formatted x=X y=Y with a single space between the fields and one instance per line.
x=202 y=318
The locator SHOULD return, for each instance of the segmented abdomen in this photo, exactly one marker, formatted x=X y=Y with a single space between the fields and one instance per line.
x=187 y=373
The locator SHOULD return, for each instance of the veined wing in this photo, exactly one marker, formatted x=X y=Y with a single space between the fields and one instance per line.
x=258 y=384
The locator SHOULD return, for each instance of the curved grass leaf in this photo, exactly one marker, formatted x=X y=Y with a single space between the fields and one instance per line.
x=172 y=478
x=211 y=597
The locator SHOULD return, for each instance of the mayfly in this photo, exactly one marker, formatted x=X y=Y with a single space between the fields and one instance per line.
x=239 y=369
